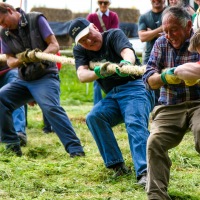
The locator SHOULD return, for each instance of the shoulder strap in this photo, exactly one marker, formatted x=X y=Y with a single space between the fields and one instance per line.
x=101 y=22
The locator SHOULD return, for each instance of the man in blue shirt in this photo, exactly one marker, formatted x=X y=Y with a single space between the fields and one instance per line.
x=126 y=99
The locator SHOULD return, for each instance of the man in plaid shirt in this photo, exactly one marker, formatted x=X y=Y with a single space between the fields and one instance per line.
x=180 y=103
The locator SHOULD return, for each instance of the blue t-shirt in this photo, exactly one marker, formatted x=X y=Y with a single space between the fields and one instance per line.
x=114 y=41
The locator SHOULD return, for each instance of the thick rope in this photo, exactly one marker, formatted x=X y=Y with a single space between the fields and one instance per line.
x=127 y=69
x=48 y=57
x=54 y=58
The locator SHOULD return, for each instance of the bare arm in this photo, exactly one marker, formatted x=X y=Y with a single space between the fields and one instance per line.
x=86 y=75
x=53 y=46
x=188 y=71
x=127 y=54
x=149 y=34
x=155 y=81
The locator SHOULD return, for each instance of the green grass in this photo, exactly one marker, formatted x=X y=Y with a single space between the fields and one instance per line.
x=46 y=172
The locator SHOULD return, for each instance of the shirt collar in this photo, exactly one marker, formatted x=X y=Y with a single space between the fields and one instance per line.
x=106 y=13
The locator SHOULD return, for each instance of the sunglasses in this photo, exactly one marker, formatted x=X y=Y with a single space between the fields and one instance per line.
x=105 y=2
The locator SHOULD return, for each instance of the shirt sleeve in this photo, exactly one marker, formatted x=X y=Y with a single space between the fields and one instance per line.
x=153 y=65
x=44 y=27
x=115 y=21
x=141 y=23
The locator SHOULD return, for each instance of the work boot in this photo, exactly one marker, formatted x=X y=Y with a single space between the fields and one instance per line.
x=142 y=180
x=121 y=170
x=23 y=139
x=14 y=148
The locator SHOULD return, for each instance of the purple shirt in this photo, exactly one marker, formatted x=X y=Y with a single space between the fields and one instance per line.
x=163 y=55
x=44 y=29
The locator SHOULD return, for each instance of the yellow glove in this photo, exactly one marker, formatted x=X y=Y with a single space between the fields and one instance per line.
x=168 y=77
x=191 y=82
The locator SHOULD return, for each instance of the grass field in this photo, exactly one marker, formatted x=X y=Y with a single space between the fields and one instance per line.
x=46 y=172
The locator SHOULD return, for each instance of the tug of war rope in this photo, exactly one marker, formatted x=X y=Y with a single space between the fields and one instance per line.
x=128 y=69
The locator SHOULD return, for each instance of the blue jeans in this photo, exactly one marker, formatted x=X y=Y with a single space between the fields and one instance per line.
x=46 y=92
x=130 y=103
x=97 y=92
x=19 y=119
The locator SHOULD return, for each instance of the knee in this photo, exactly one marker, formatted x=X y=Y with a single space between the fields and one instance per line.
x=153 y=143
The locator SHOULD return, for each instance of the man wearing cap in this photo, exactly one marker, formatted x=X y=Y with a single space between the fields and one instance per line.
x=104 y=19
x=126 y=99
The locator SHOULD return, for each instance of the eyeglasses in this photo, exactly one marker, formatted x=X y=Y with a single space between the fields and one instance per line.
x=105 y=2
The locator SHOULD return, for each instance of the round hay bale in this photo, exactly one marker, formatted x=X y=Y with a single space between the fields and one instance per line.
x=53 y=14
x=130 y=15
x=75 y=15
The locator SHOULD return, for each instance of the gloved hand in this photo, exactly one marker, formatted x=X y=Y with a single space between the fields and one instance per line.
x=122 y=63
x=22 y=57
x=101 y=71
x=191 y=82
x=168 y=77
x=32 y=56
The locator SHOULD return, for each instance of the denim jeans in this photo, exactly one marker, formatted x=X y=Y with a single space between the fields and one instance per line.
x=97 y=92
x=19 y=119
x=46 y=92
x=130 y=103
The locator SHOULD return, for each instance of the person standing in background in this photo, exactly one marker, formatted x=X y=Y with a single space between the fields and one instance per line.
x=150 y=28
x=196 y=16
x=184 y=3
x=104 y=19
x=8 y=75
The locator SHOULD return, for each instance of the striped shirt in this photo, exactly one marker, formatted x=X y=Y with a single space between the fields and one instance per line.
x=164 y=55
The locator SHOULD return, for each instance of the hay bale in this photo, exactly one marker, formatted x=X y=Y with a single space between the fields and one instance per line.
x=75 y=15
x=53 y=14
x=130 y=15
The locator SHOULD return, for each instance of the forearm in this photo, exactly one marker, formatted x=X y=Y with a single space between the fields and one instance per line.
x=188 y=71
x=149 y=35
x=85 y=75
x=128 y=55
x=13 y=62
x=155 y=81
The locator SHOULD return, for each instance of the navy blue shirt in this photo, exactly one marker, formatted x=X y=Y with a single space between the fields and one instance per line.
x=114 y=41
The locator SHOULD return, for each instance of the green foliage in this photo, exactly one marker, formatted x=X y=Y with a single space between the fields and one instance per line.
x=46 y=172
x=72 y=90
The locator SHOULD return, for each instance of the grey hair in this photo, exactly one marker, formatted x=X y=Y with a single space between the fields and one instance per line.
x=178 y=12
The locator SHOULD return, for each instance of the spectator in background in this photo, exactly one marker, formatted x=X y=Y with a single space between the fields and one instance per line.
x=184 y=3
x=196 y=16
x=149 y=29
x=104 y=19
x=8 y=75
